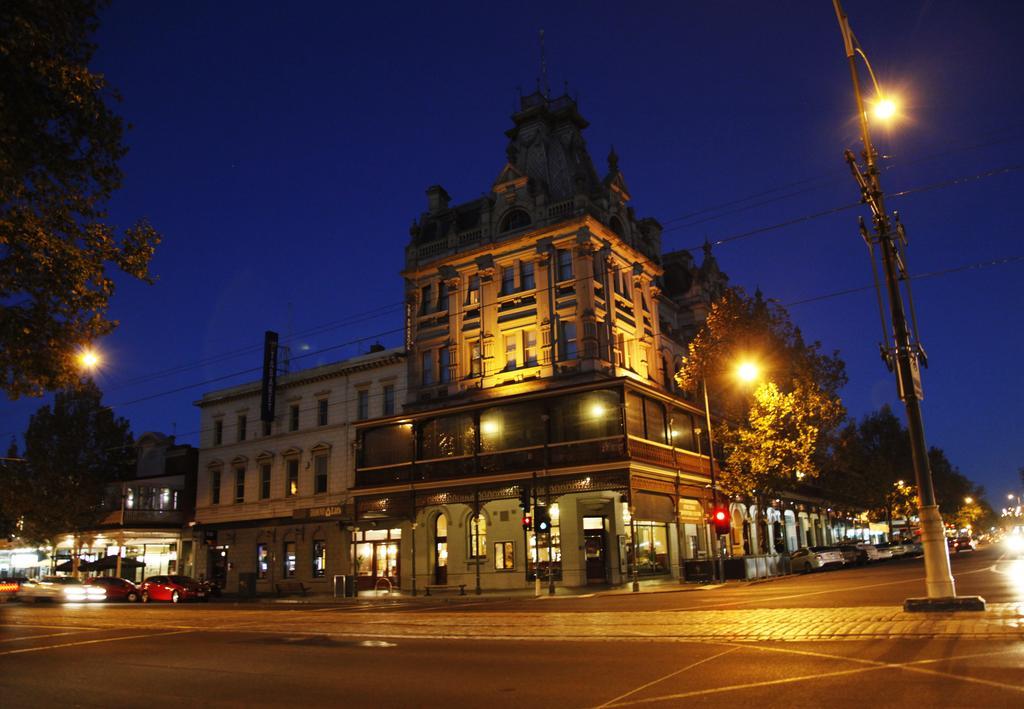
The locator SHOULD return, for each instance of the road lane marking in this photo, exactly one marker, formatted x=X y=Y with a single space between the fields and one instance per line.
x=47 y=627
x=669 y=675
x=748 y=685
x=34 y=637
x=91 y=642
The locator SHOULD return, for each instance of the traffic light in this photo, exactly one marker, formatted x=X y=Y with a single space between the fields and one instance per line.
x=527 y=522
x=720 y=517
x=524 y=499
x=541 y=519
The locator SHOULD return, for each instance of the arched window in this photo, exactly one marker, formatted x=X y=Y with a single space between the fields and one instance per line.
x=478 y=537
x=516 y=219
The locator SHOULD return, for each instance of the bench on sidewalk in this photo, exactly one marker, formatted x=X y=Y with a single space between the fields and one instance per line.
x=441 y=587
x=287 y=588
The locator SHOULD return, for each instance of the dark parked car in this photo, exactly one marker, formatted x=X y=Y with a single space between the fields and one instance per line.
x=172 y=588
x=117 y=589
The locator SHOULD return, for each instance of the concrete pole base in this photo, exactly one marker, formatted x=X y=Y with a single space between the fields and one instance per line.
x=938 y=577
x=944 y=605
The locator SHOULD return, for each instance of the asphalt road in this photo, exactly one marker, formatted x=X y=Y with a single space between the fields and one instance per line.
x=605 y=650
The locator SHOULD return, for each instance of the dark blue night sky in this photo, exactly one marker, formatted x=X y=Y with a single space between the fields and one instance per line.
x=283 y=151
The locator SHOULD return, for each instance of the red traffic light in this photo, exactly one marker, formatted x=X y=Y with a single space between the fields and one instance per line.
x=720 y=518
x=527 y=521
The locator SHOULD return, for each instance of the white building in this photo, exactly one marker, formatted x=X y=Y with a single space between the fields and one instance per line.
x=272 y=499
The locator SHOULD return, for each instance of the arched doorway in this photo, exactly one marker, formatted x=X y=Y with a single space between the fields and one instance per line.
x=440 y=555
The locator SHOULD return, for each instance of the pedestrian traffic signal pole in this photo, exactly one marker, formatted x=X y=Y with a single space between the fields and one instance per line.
x=903 y=355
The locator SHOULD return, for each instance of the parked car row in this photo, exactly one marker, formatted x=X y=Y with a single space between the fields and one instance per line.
x=820 y=557
x=173 y=588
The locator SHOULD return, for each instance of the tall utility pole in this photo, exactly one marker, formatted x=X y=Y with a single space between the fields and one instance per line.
x=902 y=354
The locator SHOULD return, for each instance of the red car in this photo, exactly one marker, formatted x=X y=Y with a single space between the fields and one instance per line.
x=117 y=589
x=171 y=588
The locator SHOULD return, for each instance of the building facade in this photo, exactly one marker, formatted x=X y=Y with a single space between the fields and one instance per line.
x=144 y=528
x=272 y=501
x=544 y=327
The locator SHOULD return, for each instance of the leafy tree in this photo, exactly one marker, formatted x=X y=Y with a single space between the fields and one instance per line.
x=72 y=450
x=873 y=466
x=60 y=144
x=779 y=432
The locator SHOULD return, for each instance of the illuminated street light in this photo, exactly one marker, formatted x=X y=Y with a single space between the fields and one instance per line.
x=968 y=500
x=885 y=109
x=89 y=359
x=748 y=371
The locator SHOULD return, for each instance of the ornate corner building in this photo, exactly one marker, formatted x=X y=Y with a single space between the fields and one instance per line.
x=543 y=328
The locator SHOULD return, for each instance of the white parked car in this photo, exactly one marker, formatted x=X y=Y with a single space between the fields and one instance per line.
x=809 y=559
x=876 y=553
x=61 y=589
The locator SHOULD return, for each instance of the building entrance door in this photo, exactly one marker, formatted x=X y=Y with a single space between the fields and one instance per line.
x=218 y=566
x=596 y=551
x=376 y=557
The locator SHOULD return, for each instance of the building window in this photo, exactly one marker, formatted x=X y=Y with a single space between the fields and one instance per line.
x=567 y=340
x=293 y=417
x=319 y=558
x=264 y=481
x=504 y=556
x=266 y=428
x=218 y=432
x=511 y=351
x=521 y=349
x=362 y=405
x=240 y=485
x=473 y=291
x=425 y=302
x=427 y=368
x=389 y=400
x=564 y=265
x=442 y=296
x=526 y=275
x=241 y=427
x=529 y=348
x=443 y=365
x=321 y=412
x=320 y=474
x=289 y=559
x=508 y=280
x=291 y=485
x=214 y=487
x=475 y=360
x=262 y=561
x=478 y=537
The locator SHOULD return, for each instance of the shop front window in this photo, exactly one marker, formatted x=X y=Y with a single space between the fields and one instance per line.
x=262 y=561
x=319 y=558
x=289 y=559
x=651 y=548
x=478 y=537
x=546 y=554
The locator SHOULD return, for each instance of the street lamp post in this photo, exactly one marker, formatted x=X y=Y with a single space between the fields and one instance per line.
x=903 y=356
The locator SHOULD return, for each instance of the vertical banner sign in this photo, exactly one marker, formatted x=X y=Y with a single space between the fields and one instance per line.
x=268 y=391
